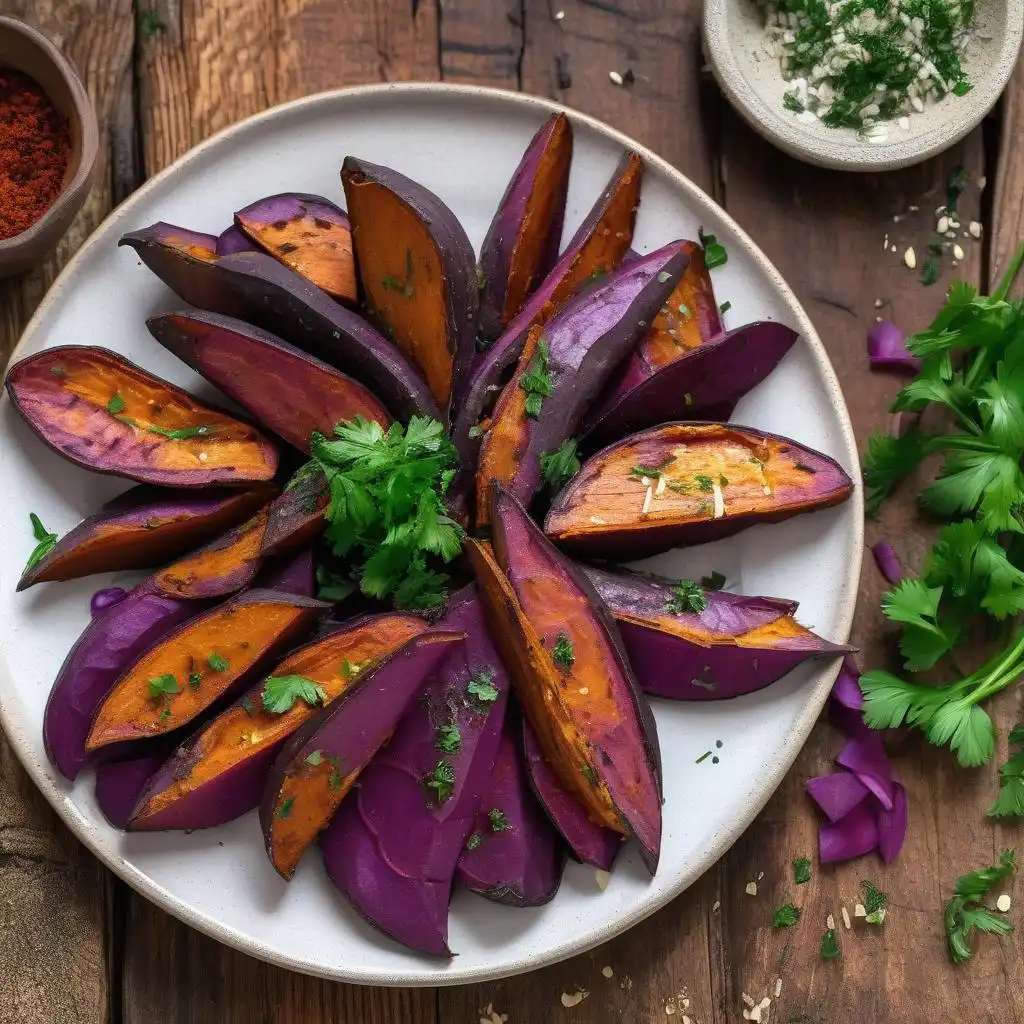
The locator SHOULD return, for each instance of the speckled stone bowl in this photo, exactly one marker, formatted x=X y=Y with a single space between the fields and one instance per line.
x=752 y=80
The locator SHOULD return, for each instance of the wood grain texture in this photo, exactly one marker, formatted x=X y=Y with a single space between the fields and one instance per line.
x=482 y=43
x=1008 y=214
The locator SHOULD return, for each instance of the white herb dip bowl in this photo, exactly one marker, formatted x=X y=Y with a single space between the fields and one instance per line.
x=751 y=77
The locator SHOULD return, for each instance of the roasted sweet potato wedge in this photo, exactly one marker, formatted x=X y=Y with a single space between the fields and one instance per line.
x=588 y=842
x=254 y=287
x=288 y=391
x=521 y=245
x=417 y=272
x=731 y=646
x=688 y=483
x=576 y=354
x=209 y=657
x=297 y=514
x=142 y=527
x=119 y=783
x=597 y=248
x=219 y=772
x=309 y=235
x=106 y=414
x=290 y=574
x=322 y=760
x=231 y=240
x=392 y=847
x=703 y=383
x=571 y=677
x=514 y=856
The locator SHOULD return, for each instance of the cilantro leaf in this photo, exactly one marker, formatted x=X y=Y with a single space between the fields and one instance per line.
x=924 y=639
x=801 y=870
x=281 y=692
x=875 y=902
x=714 y=252
x=830 y=945
x=332 y=586
x=562 y=653
x=441 y=780
x=481 y=686
x=785 y=916
x=963 y=914
x=560 y=466
x=536 y=381
x=499 y=823
x=448 y=739
x=687 y=596
x=163 y=686
x=888 y=460
x=217 y=662
x=45 y=542
x=1010 y=802
x=116 y=404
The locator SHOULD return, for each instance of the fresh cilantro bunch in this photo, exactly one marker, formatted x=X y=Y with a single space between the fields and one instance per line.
x=387 y=515
x=964 y=913
x=1010 y=802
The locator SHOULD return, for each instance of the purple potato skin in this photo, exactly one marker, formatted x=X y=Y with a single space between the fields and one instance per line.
x=586 y=341
x=113 y=640
x=231 y=240
x=175 y=255
x=389 y=851
x=672 y=666
x=297 y=515
x=588 y=842
x=707 y=380
x=491 y=367
x=505 y=229
x=520 y=866
x=256 y=288
x=457 y=258
x=119 y=783
x=288 y=206
x=106 y=598
x=291 y=575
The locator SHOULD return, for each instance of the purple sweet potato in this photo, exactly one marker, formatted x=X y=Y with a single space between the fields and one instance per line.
x=597 y=248
x=297 y=514
x=521 y=245
x=113 y=640
x=324 y=757
x=514 y=856
x=254 y=287
x=219 y=772
x=143 y=527
x=231 y=240
x=571 y=676
x=589 y=842
x=711 y=377
x=288 y=391
x=731 y=646
x=106 y=414
x=119 y=783
x=291 y=574
x=578 y=350
x=688 y=483
x=392 y=847
x=309 y=235
x=417 y=272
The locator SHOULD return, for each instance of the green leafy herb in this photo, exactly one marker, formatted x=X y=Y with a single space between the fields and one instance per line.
x=964 y=913
x=590 y=775
x=705 y=483
x=348 y=670
x=560 y=466
x=217 y=662
x=481 y=686
x=930 y=272
x=162 y=686
x=703 y=757
x=448 y=739
x=281 y=692
x=714 y=252
x=332 y=586
x=116 y=404
x=801 y=870
x=45 y=542
x=536 y=381
x=687 y=596
x=181 y=433
x=652 y=472
x=1010 y=802
x=247 y=705
x=195 y=680
x=286 y=807
x=315 y=758
x=785 y=916
x=441 y=780
x=165 y=713
x=404 y=288
x=476 y=430
x=714 y=581
x=334 y=780
x=499 y=823
x=387 y=516
x=725 y=307
x=58 y=371
x=957 y=180
x=474 y=840
x=875 y=902
x=830 y=945
x=562 y=653
x=790 y=102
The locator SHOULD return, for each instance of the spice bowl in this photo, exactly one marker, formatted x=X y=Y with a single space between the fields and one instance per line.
x=25 y=49
x=749 y=73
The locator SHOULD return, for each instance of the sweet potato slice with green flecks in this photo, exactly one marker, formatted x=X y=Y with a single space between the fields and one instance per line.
x=207 y=658
x=322 y=760
x=309 y=235
x=597 y=248
x=521 y=245
x=106 y=414
x=688 y=483
x=417 y=272
x=571 y=676
x=145 y=526
x=218 y=773
x=297 y=514
x=288 y=391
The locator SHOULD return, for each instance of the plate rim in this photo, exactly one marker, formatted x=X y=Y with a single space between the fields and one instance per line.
x=791 y=746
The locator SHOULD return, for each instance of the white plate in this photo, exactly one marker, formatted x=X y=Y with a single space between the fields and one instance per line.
x=463 y=143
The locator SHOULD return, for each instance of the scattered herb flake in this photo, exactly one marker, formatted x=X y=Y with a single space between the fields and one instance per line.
x=703 y=757
x=651 y=472
x=315 y=758
x=441 y=780
x=801 y=870
x=474 y=840
x=725 y=307
x=481 y=686
x=536 y=381
x=563 y=654
x=165 y=713
x=687 y=596
x=116 y=404
x=217 y=662
x=929 y=272
x=181 y=433
x=195 y=679
x=281 y=692
x=162 y=686
x=334 y=780
x=448 y=739
x=705 y=483
x=560 y=466
x=286 y=807
x=45 y=542
x=247 y=705
x=874 y=903
x=964 y=913
x=590 y=775
x=499 y=823
x=714 y=252
x=830 y=945
x=785 y=916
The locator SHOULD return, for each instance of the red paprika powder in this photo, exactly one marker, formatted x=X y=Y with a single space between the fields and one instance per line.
x=35 y=147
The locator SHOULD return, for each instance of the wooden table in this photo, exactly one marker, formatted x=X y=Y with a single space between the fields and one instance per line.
x=77 y=946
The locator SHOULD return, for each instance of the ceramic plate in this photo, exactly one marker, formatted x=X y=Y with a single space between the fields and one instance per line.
x=463 y=143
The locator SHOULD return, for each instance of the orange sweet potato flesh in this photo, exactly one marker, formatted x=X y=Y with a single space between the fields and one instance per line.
x=245 y=730
x=527 y=659
x=508 y=437
x=243 y=631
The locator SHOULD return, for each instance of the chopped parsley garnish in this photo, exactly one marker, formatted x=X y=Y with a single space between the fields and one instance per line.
x=45 y=542
x=315 y=758
x=476 y=431
x=162 y=686
x=964 y=913
x=929 y=271
x=348 y=670
x=830 y=945
x=448 y=739
x=334 y=780
x=116 y=404
x=705 y=483
x=590 y=775
x=663 y=276
x=562 y=653
x=499 y=823
x=536 y=381
x=182 y=433
x=785 y=916
x=875 y=903
x=281 y=692
x=801 y=870
x=481 y=686
x=404 y=288
x=474 y=840
x=652 y=472
x=217 y=662
x=1010 y=802
x=195 y=679
x=703 y=757
x=687 y=596
x=165 y=713
x=441 y=780
x=725 y=307
x=560 y=466
x=714 y=252
x=286 y=807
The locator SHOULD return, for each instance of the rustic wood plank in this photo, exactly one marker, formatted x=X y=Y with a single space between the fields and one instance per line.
x=481 y=42
x=1007 y=229
x=53 y=894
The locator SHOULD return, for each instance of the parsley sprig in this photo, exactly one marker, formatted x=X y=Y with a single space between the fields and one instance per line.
x=964 y=913
x=1010 y=802
x=558 y=467
x=45 y=542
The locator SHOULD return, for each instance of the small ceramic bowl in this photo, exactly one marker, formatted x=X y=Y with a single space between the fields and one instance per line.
x=751 y=78
x=26 y=49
